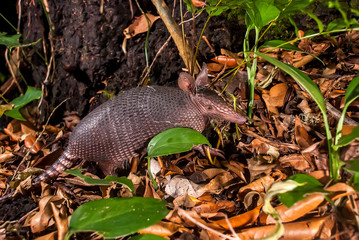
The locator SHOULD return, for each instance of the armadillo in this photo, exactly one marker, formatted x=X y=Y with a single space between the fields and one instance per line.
x=118 y=129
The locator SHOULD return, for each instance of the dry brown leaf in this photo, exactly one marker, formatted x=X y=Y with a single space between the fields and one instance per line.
x=236 y=168
x=305 y=230
x=267 y=99
x=139 y=25
x=304 y=106
x=259 y=185
x=198 y=3
x=212 y=172
x=163 y=229
x=321 y=175
x=224 y=60
x=44 y=217
x=6 y=172
x=240 y=220
x=214 y=67
x=185 y=201
x=217 y=184
x=275 y=97
x=301 y=135
x=211 y=207
x=5 y=156
x=149 y=191
x=30 y=141
x=277 y=94
x=340 y=190
x=297 y=161
x=260 y=147
x=61 y=220
x=298 y=210
x=3 y=182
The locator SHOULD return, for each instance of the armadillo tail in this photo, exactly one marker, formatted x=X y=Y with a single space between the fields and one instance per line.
x=64 y=162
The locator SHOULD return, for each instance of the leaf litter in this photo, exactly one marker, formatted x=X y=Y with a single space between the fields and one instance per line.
x=211 y=201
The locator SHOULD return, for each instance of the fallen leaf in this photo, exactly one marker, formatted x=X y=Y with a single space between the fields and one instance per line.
x=198 y=3
x=139 y=25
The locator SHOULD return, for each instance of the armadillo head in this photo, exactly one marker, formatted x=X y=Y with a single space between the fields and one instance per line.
x=214 y=106
x=207 y=101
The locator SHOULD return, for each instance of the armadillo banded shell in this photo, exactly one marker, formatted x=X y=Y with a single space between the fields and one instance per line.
x=119 y=128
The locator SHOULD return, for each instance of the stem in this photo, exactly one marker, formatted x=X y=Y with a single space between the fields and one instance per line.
x=251 y=68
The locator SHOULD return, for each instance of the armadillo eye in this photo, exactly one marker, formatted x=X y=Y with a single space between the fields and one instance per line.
x=209 y=107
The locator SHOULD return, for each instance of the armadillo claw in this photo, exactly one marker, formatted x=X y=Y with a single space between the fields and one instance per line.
x=202 y=148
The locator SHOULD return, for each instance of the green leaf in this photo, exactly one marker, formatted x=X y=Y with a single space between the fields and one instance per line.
x=281 y=44
x=291 y=7
x=346 y=139
x=308 y=185
x=9 y=41
x=175 y=140
x=30 y=95
x=352 y=92
x=356 y=182
x=190 y=7
x=268 y=11
x=353 y=166
x=340 y=23
x=102 y=182
x=303 y=80
x=147 y=237
x=316 y=19
x=117 y=217
x=13 y=41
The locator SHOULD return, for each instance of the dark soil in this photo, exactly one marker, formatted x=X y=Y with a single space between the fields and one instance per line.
x=87 y=50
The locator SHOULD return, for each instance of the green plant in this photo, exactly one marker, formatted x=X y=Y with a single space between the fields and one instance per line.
x=117 y=217
x=19 y=102
x=12 y=109
x=257 y=15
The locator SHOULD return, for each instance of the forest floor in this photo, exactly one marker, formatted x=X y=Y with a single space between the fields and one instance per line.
x=212 y=198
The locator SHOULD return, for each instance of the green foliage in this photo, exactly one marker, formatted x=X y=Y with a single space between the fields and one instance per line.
x=9 y=41
x=102 y=182
x=353 y=167
x=147 y=237
x=117 y=217
x=339 y=23
x=345 y=140
x=175 y=140
x=30 y=95
x=14 y=41
x=308 y=184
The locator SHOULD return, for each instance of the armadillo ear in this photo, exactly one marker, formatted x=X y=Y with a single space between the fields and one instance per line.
x=186 y=82
x=202 y=78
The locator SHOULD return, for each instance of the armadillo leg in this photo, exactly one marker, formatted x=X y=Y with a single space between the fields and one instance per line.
x=213 y=151
x=64 y=162
x=107 y=169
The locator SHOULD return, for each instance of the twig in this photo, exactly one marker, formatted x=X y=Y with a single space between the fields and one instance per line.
x=12 y=71
x=184 y=50
x=153 y=61
x=184 y=213
x=337 y=114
